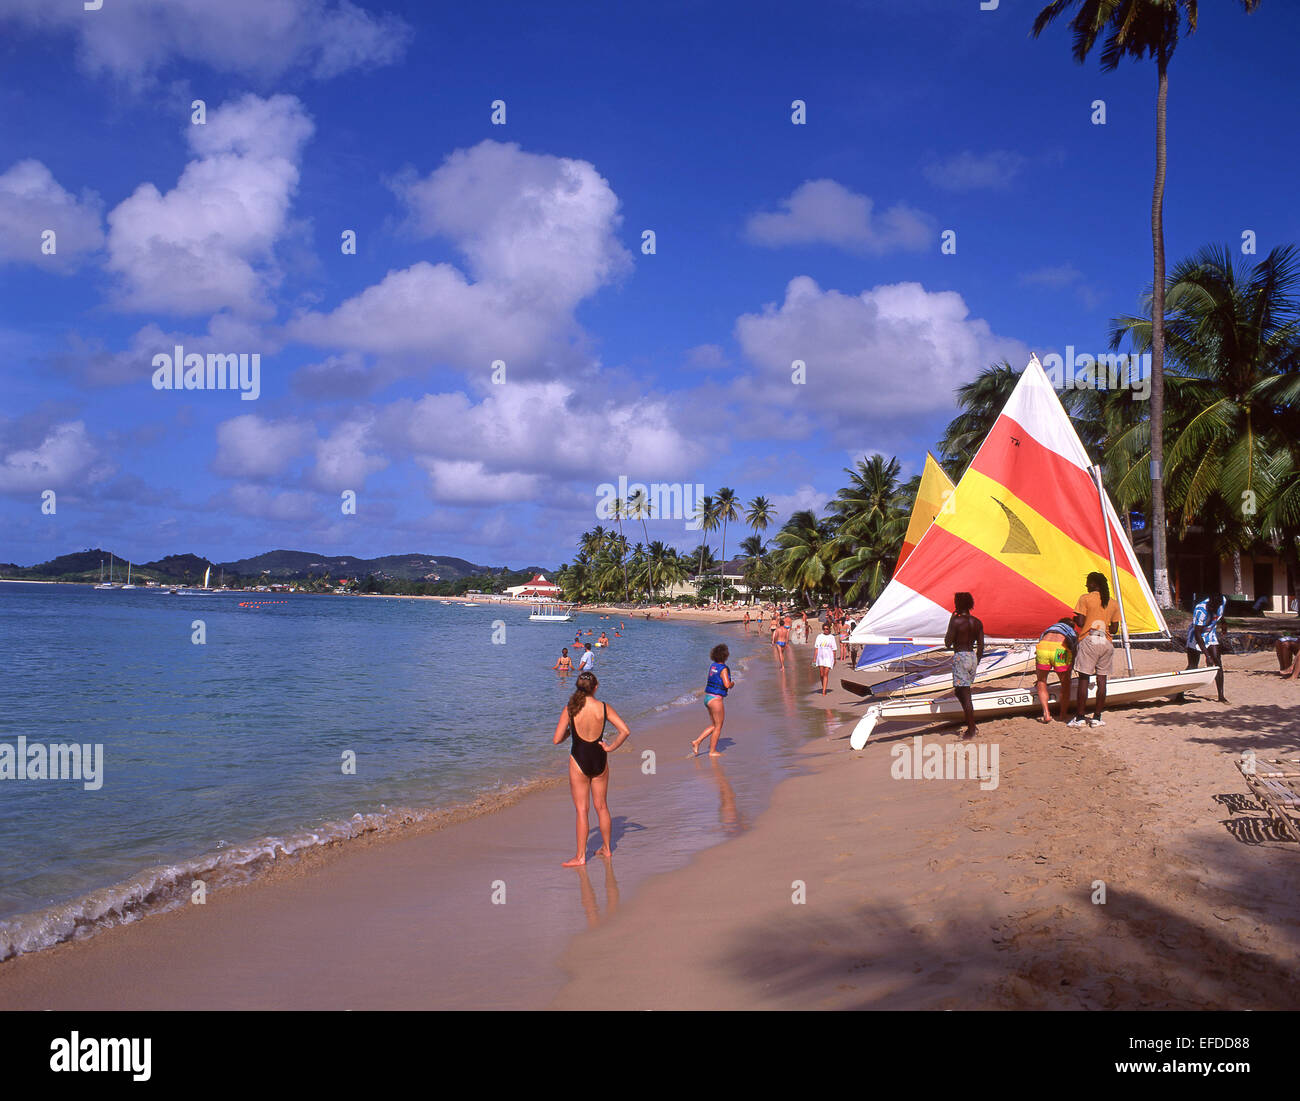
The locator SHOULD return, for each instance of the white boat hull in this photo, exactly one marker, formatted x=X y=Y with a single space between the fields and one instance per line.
x=1023 y=701
x=891 y=684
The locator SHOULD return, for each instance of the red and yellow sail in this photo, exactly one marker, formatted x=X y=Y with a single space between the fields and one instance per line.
x=935 y=489
x=1021 y=532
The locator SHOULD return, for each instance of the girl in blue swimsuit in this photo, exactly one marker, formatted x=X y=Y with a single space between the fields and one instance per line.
x=715 y=691
x=583 y=720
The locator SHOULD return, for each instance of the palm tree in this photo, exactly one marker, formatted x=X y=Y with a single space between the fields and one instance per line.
x=870 y=520
x=804 y=558
x=981 y=402
x=707 y=514
x=755 y=562
x=759 y=514
x=1142 y=29
x=1235 y=339
x=727 y=505
x=638 y=506
x=620 y=511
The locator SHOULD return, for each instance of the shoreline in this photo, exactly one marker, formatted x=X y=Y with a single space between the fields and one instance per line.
x=423 y=895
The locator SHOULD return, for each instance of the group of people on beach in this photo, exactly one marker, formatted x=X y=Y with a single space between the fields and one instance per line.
x=1080 y=643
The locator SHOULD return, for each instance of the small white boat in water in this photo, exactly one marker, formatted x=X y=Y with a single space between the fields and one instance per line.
x=128 y=584
x=551 y=613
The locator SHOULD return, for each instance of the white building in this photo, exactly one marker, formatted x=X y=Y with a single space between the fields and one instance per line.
x=537 y=588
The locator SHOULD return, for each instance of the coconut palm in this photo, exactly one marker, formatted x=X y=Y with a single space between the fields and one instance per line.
x=1141 y=29
x=620 y=513
x=727 y=506
x=803 y=562
x=755 y=553
x=639 y=508
x=981 y=401
x=759 y=514
x=706 y=513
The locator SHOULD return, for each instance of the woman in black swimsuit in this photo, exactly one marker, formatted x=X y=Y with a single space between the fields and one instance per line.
x=583 y=720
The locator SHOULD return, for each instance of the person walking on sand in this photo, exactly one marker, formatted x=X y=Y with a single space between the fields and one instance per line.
x=565 y=663
x=715 y=692
x=1203 y=637
x=780 y=640
x=824 y=648
x=965 y=638
x=583 y=720
x=1055 y=654
x=1095 y=616
x=746 y=620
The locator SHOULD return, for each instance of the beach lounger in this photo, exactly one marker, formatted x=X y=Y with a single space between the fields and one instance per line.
x=1276 y=784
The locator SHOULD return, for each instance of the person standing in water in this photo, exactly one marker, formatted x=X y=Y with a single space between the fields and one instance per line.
x=965 y=638
x=565 y=663
x=824 y=645
x=583 y=720
x=780 y=640
x=1095 y=615
x=1203 y=637
x=588 y=659
x=715 y=692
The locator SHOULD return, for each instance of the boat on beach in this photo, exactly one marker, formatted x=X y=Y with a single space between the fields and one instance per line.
x=1026 y=523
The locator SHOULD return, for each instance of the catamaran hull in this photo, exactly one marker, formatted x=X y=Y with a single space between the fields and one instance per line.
x=892 y=683
x=1020 y=701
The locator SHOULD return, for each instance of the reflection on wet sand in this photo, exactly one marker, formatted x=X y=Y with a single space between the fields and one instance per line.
x=729 y=815
x=590 y=905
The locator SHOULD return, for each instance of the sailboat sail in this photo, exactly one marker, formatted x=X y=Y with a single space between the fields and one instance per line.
x=1020 y=533
x=931 y=496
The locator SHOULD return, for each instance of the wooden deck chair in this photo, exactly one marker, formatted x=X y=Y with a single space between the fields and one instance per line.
x=1276 y=784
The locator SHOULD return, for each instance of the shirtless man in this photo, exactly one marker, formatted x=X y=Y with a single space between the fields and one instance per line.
x=780 y=640
x=965 y=638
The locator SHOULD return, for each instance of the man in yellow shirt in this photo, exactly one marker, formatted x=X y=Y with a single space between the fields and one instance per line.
x=1095 y=614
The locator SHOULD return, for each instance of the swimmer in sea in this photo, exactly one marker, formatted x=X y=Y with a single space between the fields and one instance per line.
x=603 y=640
x=583 y=721
x=565 y=664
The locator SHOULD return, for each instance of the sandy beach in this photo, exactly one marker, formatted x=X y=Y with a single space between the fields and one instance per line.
x=790 y=873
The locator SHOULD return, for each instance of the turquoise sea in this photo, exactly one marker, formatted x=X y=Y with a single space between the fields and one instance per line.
x=219 y=755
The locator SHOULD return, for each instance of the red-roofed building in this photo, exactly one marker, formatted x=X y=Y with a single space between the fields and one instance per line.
x=536 y=588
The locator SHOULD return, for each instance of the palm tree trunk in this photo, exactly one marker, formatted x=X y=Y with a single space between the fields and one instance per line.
x=1236 y=572
x=1160 y=560
x=723 y=564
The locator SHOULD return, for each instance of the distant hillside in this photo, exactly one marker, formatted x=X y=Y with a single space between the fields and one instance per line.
x=280 y=565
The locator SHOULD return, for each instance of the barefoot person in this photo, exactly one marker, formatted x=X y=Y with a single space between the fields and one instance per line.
x=1288 y=657
x=824 y=647
x=1055 y=654
x=1095 y=617
x=583 y=721
x=565 y=663
x=715 y=692
x=1203 y=637
x=781 y=640
x=965 y=638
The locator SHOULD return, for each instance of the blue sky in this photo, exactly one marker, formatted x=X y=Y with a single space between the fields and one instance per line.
x=522 y=242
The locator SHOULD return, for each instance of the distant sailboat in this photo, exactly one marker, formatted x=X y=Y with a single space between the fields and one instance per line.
x=109 y=583
x=128 y=584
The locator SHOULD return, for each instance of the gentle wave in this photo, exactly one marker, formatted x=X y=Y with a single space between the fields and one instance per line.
x=167 y=887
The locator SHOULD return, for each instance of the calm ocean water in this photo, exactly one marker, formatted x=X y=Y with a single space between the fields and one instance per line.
x=216 y=755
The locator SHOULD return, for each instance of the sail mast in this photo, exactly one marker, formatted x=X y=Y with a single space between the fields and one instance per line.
x=1095 y=471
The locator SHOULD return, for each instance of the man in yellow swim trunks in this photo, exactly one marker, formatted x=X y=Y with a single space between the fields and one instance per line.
x=1055 y=654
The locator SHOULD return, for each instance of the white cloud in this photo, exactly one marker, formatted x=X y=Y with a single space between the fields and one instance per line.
x=267 y=504
x=250 y=446
x=208 y=244
x=969 y=171
x=469 y=482
x=823 y=212
x=539 y=235
x=342 y=459
x=98 y=367
x=893 y=350
x=31 y=201
x=136 y=39
x=64 y=458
